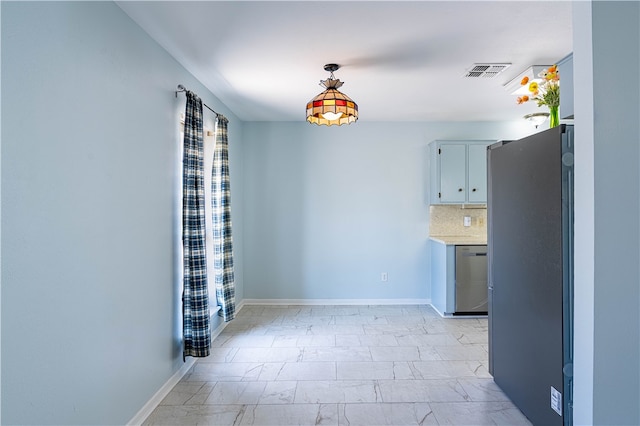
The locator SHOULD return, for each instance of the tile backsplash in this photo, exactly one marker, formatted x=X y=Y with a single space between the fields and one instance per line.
x=447 y=220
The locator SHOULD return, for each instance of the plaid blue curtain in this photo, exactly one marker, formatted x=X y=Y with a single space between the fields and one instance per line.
x=195 y=296
x=222 y=241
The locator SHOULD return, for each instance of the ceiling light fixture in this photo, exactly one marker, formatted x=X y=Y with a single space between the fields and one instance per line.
x=516 y=88
x=332 y=107
x=536 y=118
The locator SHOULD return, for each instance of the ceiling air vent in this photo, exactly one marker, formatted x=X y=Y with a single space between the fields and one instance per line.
x=485 y=70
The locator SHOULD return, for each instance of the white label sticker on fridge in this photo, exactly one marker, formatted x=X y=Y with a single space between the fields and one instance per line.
x=556 y=400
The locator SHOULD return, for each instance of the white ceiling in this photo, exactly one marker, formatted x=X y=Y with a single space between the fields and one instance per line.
x=400 y=61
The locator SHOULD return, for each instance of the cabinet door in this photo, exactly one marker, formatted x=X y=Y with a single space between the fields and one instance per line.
x=477 y=173
x=453 y=173
x=565 y=68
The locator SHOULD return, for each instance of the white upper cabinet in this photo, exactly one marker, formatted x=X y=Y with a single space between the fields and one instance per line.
x=477 y=173
x=453 y=173
x=565 y=68
x=458 y=172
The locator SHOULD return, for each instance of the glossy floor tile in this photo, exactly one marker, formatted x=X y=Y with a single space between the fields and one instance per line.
x=342 y=365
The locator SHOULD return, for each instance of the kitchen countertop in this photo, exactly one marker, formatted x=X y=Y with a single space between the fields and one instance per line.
x=458 y=240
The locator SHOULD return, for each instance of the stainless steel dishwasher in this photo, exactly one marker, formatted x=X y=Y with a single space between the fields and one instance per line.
x=471 y=280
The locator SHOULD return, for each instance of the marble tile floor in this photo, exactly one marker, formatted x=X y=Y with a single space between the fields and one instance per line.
x=342 y=365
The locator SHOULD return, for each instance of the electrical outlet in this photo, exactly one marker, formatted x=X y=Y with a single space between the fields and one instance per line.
x=384 y=277
x=467 y=221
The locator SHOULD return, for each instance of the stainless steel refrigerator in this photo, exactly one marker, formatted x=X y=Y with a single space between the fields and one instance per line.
x=530 y=261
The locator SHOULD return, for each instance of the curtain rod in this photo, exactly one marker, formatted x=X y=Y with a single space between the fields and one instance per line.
x=182 y=89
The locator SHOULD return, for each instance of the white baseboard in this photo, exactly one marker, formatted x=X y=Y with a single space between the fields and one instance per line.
x=440 y=313
x=359 y=302
x=157 y=398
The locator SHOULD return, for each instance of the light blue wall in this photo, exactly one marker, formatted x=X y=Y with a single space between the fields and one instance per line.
x=328 y=209
x=584 y=215
x=90 y=157
x=617 y=271
x=607 y=98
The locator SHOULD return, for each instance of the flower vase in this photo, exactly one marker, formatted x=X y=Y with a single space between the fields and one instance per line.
x=554 y=118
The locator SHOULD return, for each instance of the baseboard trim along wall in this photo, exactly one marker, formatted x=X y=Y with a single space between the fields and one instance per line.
x=156 y=399
x=374 y=302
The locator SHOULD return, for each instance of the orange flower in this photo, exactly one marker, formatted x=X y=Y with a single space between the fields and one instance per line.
x=545 y=93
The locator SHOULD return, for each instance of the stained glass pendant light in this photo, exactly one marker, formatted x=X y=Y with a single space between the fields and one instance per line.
x=331 y=107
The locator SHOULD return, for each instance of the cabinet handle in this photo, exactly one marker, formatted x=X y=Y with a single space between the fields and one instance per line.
x=459 y=189
x=473 y=190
